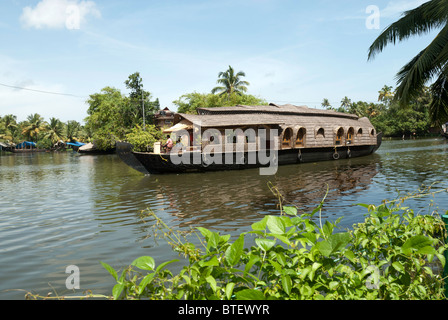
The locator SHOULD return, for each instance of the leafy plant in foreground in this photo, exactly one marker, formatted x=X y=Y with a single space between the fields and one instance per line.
x=393 y=254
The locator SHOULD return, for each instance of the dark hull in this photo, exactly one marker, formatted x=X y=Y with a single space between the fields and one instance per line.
x=150 y=163
x=95 y=151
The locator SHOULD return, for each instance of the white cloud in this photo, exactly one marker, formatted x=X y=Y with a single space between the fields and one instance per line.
x=70 y=14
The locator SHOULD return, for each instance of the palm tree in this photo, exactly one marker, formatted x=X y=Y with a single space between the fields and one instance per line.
x=430 y=63
x=55 y=130
x=346 y=102
x=72 y=129
x=8 y=126
x=385 y=94
x=326 y=104
x=34 y=125
x=231 y=83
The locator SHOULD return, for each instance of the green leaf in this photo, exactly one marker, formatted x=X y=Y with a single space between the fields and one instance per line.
x=260 y=225
x=287 y=284
x=292 y=211
x=275 y=225
x=205 y=232
x=145 y=281
x=212 y=282
x=398 y=266
x=163 y=265
x=229 y=290
x=415 y=243
x=234 y=252
x=265 y=244
x=110 y=270
x=117 y=290
x=250 y=294
x=252 y=260
x=144 y=263
x=334 y=243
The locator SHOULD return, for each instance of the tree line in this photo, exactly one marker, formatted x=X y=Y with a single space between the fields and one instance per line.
x=112 y=115
x=389 y=116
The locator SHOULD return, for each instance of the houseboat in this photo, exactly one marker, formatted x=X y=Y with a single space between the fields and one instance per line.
x=242 y=137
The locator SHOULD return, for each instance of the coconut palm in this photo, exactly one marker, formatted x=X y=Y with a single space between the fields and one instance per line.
x=231 y=83
x=72 y=129
x=428 y=64
x=8 y=126
x=55 y=130
x=326 y=104
x=346 y=102
x=385 y=94
x=34 y=125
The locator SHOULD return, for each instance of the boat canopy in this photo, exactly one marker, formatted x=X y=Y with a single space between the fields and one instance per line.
x=26 y=144
x=75 y=144
x=182 y=125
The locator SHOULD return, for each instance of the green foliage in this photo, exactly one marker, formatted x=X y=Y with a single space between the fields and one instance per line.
x=111 y=114
x=393 y=254
x=388 y=117
x=189 y=103
x=230 y=83
x=143 y=140
x=430 y=64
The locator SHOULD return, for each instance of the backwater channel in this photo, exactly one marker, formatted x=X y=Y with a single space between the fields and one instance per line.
x=63 y=209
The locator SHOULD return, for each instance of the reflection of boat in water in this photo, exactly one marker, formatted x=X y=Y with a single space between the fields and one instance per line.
x=244 y=137
x=243 y=196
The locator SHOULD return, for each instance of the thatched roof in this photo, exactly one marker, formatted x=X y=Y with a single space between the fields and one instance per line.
x=283 y=116
x=287 y=109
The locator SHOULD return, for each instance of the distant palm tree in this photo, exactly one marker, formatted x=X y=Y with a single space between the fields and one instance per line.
x=8 y=125
x=72 y=130
x=55 y=130
x=346 y=102
x=231 y=83
x=34 y=125
x=385 y=94
x=326 y=104
x=430 y=63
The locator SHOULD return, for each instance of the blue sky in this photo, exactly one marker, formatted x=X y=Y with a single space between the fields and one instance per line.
x=297 y=52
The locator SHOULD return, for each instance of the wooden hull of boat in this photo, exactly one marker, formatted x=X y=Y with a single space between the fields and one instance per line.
x=150 y=163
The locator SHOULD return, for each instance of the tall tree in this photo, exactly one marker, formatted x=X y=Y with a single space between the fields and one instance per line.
x=430 y=63
x=33 y=126
x=230 y=82
x=72 y=130
x=326 y=103
x=346 y=103
x=55 y=130
x=386 y=95
x=139 y=103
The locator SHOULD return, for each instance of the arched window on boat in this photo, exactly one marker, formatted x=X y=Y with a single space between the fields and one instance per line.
x=300 y=140
x=339 y=136
x=372 y=132
x=359 y=134
x=350 y=135
x=287 y=138
x=320 y=133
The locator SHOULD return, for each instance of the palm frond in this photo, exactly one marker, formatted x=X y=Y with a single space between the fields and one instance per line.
x=418 y=21
x=423 y=67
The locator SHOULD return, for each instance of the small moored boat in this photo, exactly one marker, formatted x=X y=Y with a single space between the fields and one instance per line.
x=242 y=137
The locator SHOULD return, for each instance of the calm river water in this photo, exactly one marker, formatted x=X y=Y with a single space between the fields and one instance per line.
x=62 y=209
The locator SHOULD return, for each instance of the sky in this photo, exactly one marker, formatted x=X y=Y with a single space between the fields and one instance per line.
x=55 y=53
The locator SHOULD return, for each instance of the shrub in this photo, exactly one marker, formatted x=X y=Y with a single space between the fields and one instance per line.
x=393 y=254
